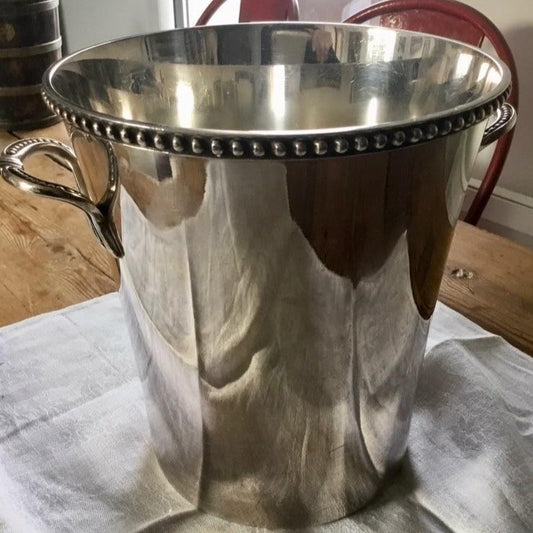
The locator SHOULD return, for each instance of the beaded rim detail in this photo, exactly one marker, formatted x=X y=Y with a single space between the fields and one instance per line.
x=302 y=146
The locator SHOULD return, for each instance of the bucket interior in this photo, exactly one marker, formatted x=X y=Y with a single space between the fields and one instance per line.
x=270 y=78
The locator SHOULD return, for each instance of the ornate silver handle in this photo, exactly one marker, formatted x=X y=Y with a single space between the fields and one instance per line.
x=99 y=214
x=505 y=121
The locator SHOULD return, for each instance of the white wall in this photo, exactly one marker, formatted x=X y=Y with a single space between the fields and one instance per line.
x=85 y=23
x=515 y=20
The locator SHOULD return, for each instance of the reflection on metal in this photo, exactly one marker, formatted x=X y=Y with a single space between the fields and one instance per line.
x=185 y=103
x=381 y=44
x=288 y=199
x=242 y=83
x=277 y=99
x=279 y=312
x=372 y=111
x=463 y=65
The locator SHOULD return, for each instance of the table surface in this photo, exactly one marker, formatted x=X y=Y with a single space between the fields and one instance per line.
x=49 y=259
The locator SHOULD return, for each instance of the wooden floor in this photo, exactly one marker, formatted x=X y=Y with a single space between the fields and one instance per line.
x=50 y=259
x=489 y=279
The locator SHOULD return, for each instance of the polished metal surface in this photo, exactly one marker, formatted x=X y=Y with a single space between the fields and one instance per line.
x=279 y=312
x=277 y=90
x=278 y=299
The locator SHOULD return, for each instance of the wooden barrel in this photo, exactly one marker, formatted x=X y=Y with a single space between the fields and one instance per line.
x=30 y=41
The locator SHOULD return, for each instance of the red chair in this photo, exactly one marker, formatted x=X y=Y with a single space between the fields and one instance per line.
x=448 y=18
x=256 y=10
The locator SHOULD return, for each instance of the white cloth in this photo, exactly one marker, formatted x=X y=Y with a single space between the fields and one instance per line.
x=75 y=451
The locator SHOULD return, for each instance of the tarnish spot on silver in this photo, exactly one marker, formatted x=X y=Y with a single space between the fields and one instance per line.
x=416 y=135
x=320 y=147
x=432 y=131
x=340 y=145
x=446 y=127
x=459 y=124
x=258 y=149
x=237 y=149
x=109 y=132
x=216 y=147
x=196 y=146
x=470 y=118
x=300 y=148
x=380 y=141
x=279 y=149
x=159 y=142
x=398 y=138
x=141 y=139
x=361 y=143
x=177 y=144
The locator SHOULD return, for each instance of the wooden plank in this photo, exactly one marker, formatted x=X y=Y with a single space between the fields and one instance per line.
x=57 y=132
x=489 y=279
x=49 y=257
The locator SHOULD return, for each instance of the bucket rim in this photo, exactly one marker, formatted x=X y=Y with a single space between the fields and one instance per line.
x=277 y=144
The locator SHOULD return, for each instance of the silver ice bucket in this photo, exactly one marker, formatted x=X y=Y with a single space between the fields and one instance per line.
x=286 y=195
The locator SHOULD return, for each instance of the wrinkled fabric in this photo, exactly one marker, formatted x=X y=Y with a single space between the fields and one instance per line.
x=76 y=455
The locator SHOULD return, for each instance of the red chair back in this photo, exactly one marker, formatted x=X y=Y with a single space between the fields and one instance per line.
x=448 y=18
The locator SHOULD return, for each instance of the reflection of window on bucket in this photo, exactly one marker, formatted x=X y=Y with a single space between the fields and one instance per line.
x=313 y=48
x=319 y=50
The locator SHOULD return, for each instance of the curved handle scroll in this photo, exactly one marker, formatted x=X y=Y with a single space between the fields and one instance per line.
x=505 y=121
x=99 y=214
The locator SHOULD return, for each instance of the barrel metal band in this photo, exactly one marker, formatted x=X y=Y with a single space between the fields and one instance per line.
x=26 y=51
x=20 y=91
x=24 y=8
